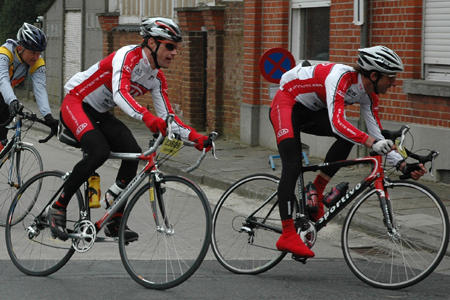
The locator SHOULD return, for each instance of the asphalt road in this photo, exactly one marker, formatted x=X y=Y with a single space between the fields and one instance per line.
x=99 y=273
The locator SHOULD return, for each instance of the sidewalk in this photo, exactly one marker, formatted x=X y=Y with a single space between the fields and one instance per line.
x=235 y=160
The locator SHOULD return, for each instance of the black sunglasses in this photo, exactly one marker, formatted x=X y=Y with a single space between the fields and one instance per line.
x=169 y=46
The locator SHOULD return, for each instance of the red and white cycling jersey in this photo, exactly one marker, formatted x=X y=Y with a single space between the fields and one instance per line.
x=334 y=86
x=118 y=79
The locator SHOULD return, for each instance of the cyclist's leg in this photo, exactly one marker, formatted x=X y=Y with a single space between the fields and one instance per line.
x=4 y=116
x=340 y=150
x=120 y=139
x=285 y=115
x=97 y=149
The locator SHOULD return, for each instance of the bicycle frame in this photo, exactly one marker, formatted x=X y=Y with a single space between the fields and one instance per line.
x=10 y=148
x=149 y=167
x=16 y=142
x=376 y=177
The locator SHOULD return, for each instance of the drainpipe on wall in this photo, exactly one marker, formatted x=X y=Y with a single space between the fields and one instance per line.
x=63 y=35
x=362 y=150
x=83 y=34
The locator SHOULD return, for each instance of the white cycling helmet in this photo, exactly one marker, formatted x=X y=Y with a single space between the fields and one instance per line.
x=162 y=27
x=381 y=59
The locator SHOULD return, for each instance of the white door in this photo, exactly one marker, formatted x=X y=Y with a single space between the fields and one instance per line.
x=72 y=44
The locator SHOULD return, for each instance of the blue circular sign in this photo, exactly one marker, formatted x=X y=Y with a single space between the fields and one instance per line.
x=274 y=63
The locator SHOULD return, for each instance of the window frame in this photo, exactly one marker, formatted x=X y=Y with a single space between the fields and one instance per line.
x=433 y=71
x=296 y=20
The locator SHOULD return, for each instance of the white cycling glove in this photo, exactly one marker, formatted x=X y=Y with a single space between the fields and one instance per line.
x=382 y=147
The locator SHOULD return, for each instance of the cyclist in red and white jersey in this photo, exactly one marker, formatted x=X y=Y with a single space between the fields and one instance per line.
x=116 y=81
x=312 y=99
x=18 y=58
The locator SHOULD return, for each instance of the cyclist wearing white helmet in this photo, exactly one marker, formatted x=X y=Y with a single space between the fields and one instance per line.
x=18 y=58
x=117 y=80
x=312 y=99
x=160 y=30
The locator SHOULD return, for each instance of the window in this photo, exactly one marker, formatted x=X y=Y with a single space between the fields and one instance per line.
x=310 y=30
x=436 y=40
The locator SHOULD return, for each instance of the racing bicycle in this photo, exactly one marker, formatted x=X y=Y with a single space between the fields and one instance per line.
x=170 y=213
x=19 y=160
x=395 y=234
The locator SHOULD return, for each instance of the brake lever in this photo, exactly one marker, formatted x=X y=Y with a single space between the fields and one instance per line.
x=402 y=139
x=213 y=136
x=433 y=157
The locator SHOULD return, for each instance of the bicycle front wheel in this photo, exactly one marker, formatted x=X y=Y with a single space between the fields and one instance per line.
x=30 y=244
x=398 y=259
x=247 y=225
x=168 y=253
x=13 y=173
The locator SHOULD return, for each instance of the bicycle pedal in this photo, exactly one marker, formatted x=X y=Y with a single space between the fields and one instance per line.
x=299 y=259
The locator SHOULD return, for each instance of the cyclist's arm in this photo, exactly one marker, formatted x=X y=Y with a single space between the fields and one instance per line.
x=369 y=110
x=5 y=83
x=39 y=87
x=163 y=107
x=336 y=88
x=122 y=65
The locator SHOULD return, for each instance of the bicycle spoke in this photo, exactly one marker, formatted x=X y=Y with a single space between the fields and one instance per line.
x=167 y=255
x=408 y=254
x=240 y=245
x=29 y=241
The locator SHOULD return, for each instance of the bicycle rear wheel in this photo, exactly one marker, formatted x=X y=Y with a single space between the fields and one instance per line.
x=27 y=162
x=239 y=245
x=166 y=255
x=30 y=244
x=408 y=255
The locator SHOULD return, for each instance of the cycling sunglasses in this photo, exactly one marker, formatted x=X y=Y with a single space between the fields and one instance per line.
x=169 y=46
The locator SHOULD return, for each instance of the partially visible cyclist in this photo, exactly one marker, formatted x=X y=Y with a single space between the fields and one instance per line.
x=18 y=58
x=312 y=99
x=116 y=81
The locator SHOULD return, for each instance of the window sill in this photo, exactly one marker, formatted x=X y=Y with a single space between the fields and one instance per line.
x=426 y=87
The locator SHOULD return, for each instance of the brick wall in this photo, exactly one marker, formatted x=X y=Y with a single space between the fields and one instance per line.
x=238 y=33
x=108 y=21
x=398 y=26
x=266 y=26
x=232 y=73
x=115 y=39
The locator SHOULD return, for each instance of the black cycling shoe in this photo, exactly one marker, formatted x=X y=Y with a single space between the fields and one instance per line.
x=112 y=230
x=57 y=222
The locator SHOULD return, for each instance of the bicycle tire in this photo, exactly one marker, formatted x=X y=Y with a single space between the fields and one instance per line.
x=402 y=259
x=27 y=163
x=162 y=260
x=40 y=254
x=241 y=247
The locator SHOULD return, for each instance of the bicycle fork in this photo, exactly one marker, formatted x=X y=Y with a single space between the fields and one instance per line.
x=386 y=205
x=156 y=191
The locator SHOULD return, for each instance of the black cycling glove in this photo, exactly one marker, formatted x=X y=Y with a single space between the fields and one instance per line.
x=409 y=168
x=14 y=107
x=50 y=121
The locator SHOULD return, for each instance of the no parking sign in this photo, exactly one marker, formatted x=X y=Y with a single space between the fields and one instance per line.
x=274 y=63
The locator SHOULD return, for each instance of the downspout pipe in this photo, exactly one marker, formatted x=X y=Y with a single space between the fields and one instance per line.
x=364 y=43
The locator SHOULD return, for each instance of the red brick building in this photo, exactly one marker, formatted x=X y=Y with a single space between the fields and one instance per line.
x=215 y=82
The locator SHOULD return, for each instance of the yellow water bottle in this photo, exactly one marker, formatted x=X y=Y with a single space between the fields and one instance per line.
x=94 y=190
